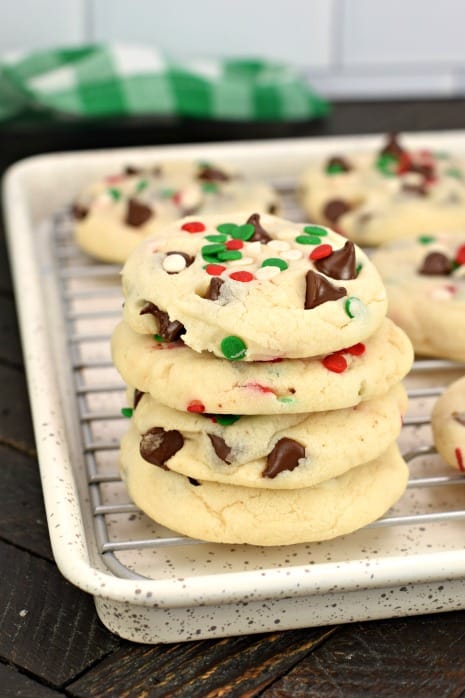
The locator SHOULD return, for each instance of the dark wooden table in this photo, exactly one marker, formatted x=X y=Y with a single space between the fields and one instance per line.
x=51 y=641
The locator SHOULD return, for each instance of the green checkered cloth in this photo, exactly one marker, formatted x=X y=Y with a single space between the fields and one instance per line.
x=112 y=80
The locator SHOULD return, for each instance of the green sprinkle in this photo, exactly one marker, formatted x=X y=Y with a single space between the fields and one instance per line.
x=209 y=187
x=315 y=230
x=233 y=348
x=167 y=193
x=229 y=255
x=210 y=252
x=307 y=240
x=127 y=411
x=216 y=238
x=358 y=269
x=275 y=262
x=334 y=168
x=386 y=164
x=158 y=338
x=426 y=239
x=237 y=232
x=226 y=419
x=354 y=307
x=114 y=193
x=454 y=172
x=142 y=184
x=286 y=399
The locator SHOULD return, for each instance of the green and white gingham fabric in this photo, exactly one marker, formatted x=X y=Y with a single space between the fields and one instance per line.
x=112 y=80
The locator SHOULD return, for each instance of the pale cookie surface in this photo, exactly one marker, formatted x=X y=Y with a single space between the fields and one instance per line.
x=425 y=282
x=394 y=193
x=253 y=288
x=272 y=452
x=448 y=423
x=229 y=514
x=190 y=381
x=114 y=214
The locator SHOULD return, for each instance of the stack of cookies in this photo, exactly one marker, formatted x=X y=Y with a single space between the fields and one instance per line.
x=264 y=382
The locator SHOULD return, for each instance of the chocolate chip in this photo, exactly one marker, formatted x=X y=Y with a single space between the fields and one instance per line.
x=392 y=146
x=220 y=447
x=137 y=397
x=319 y=290
x=207 y=173
x=459 y=417
x=213 y=291
x=79 y=212
x=284 y=456
x=170 y=330
x=260 y=234
x=137 y=213
x=414 y=189
x=335 y=208
x=338 y=164
x=131 y=170
x=157 y=445
x=194 y=482
x=436 y=264
x=272 y=208
x=340 y=264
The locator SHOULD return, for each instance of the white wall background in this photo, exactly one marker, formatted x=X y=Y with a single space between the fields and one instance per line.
x=349 y=49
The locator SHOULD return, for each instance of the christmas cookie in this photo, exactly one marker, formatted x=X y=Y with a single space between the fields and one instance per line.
x=230 y=514
x=386 y=195
x=448 y=422
x=271 y=452
x=425 y=282
x=200 y=382
x=252 y=288
x=114 y=214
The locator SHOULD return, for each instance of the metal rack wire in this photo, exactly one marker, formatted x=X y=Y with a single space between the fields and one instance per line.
x=90 y=295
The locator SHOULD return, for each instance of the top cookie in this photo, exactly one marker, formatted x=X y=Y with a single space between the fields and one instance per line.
x=386 y=195
x=253 y=288
x=114 y=214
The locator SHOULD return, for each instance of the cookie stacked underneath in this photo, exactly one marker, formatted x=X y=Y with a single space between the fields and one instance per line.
x=264 y=382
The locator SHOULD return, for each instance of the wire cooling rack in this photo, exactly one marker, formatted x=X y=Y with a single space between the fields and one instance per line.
x=91 y=301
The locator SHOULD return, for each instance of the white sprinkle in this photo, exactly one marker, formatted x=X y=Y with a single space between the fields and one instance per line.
x=23 y=613
x=243 y=261
x=443 y=293
x=291 y=255
x=174 y=263
x=253 y=248
x=278 y=245
x=265 y=273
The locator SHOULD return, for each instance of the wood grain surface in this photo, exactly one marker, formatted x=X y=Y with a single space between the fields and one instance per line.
x=51 y=641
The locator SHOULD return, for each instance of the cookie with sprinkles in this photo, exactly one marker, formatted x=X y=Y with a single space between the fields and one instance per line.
x=386 y=193
x=114 y=214
x=199 y=382
x=268 y=452
x=256 y=288
x=232 y=514
x=425 y=282
x=448 y=424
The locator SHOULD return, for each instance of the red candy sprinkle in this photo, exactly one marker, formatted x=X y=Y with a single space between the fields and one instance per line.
x=404 y=163
x=214 y=269
x=196 y=406
x=193 y=227
x=458 y=455
x=234 y=244
x=259 y=387
x=242 y=276
x=335 y=363
x=356 y=349
x=321 y=252
x=460 y=257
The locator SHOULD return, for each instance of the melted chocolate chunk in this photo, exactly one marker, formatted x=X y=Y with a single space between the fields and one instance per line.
x=194 y=482
x=392 y=146
x=338 y=163
x=157 y=445
x=272 y=208
x=213 y=291
x=131 y=170
x=436 y=264
x=137 y=397
x=220 y=447
x=260 y=234
x=414 y=189
x=335 y=208
x=340 y=264
x=167 y=329
x=284 y=456
x=459 y=417
x=212 y=174
x=137 y=213
x=79 y=212
x=319 y=290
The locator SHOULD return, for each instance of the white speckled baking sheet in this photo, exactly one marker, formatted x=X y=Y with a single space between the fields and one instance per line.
x=149 y=584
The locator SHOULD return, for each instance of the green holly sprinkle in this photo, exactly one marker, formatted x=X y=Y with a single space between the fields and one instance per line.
x=308 y=240
x=210 y=252
x=354 y=307
x=237 y=232
x=454 y=172
x=275 y=262
x=233 y=348
x=216 y=238
x=158 y=338
x=114 y=193
x=226 y=419
x=167 y=193
x=386 y=164
x=229 y=255
x=286 y=399
x=358 y=269
x=334 y=168
x=315 y=230
x=209 y=187
x=426 y=239
x=127 y=411
x=142 y=184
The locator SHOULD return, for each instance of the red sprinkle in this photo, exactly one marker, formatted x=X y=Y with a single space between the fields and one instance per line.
x=242 y=276
x=404 y=163
x=176 y=198
x=321 y=252
x=214 y=269
x=193 y=227
x=260 y=388
x=460 y=258
x=356 y=349
x=114 y=179
x=196 y=406
x=335 y=363
x=234 y=244
x=458 y=455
